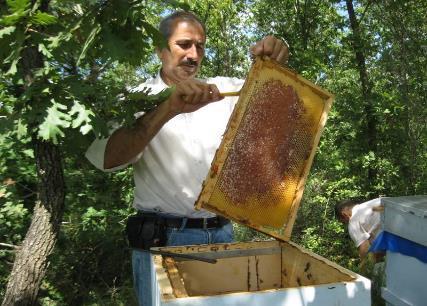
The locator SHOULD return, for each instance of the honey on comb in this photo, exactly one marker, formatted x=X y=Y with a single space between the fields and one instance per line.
x=262 y=150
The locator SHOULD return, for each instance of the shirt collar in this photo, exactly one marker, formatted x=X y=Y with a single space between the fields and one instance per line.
x=159 y=81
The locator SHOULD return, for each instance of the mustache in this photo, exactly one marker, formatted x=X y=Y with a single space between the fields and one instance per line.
x=189 y=62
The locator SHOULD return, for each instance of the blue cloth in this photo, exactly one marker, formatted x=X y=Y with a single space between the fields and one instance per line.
x=143 y=269
x=389 y=242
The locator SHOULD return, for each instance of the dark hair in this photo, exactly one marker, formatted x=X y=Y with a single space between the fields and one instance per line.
x=340 y=206
x=167 y=25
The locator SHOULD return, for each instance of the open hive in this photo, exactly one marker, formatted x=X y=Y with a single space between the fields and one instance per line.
x=258 y=174
x=270 y=273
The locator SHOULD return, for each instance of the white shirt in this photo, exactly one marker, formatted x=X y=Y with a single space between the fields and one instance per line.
x=364 y=221
x=169 y=173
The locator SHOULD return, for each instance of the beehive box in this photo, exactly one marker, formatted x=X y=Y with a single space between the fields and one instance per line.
x=257 y=178
x=406 y=217
x=258 y=273
x=406 y=275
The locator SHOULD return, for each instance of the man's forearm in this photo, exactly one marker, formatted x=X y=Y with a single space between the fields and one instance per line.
x=126 y=143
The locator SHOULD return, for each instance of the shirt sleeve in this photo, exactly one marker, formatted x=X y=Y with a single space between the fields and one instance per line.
x=96 y=154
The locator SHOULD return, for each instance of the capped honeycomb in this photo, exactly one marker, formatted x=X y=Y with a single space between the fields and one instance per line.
x=258 y=174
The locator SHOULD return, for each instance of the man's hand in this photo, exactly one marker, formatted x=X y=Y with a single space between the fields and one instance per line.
x=190 y=95
x=273 y=48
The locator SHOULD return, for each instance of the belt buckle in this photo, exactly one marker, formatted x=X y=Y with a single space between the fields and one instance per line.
x=205 y=223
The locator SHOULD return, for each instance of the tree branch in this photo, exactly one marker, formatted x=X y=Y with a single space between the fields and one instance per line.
x=7 y=245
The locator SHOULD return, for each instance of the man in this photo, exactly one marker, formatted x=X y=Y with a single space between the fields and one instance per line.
x=171 y=147
x=363 y=222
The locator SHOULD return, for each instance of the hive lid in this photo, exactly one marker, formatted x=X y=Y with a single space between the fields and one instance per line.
x=258 y=173
x=414 y=205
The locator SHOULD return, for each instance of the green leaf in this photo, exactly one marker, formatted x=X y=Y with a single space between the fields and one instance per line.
x=45 y=51
x=90 y=39
x=15 y=55
x=146 y=102
x=13 y=69
x=21 y=129
x=86 y=128
x=18 y=5
x=29 y=153
x=156 y=36
x=138 y=95
x=18 y=9
x=83 y=117
x=7 y=31
x=50 y=129
x=161 y=96
x=184 y=5
x=42 y=18
x=56 y=41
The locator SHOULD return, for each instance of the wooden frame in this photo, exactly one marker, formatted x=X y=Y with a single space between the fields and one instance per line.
x=307 y=92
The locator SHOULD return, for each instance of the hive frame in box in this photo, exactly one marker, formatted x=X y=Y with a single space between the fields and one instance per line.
x=306 y=92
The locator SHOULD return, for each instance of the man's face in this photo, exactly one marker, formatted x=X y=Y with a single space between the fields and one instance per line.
x=345 y=215
x=186 y=50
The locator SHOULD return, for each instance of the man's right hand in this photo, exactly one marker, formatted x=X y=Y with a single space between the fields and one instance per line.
x=190 y=95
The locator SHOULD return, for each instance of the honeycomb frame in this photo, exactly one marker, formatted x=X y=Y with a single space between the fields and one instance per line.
x=263 y=71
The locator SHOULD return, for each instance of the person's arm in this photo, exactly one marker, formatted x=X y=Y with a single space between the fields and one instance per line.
x=126 y=143
x=363 y=254
x=363 y=249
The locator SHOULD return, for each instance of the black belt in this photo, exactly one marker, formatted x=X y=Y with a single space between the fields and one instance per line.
x=214 y=222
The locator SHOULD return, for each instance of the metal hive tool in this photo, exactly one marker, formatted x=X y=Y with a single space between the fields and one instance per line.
x=258 y=174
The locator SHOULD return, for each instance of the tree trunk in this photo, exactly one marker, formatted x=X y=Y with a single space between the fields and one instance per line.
x=31 y=261
x=370 y=133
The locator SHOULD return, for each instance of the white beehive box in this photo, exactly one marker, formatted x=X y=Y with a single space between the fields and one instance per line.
x=406 y=217
x=406 y=276
x=258 y=273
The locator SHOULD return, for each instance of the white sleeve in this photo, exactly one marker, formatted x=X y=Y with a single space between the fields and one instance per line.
x=96 y=154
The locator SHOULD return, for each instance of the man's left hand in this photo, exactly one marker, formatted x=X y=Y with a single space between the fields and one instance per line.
x=272 y=47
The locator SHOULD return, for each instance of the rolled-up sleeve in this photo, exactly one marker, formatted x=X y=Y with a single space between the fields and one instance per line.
x=96 y=155
x=96 y=152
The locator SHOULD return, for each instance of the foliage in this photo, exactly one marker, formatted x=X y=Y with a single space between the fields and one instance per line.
x=64 y=84
x=16 y=198
x=227 y=52
x=92 y=252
